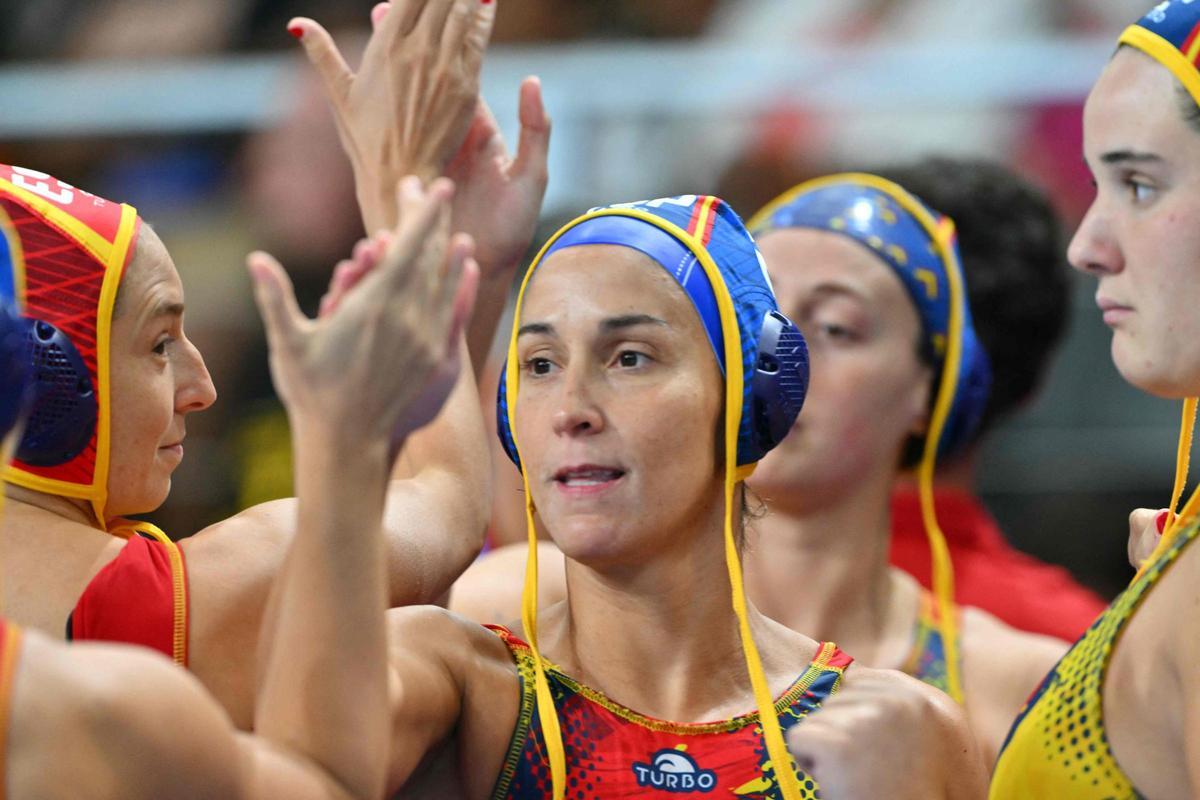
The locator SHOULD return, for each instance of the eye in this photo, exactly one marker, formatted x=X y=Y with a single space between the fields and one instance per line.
x=538 y=366
x=1139 y=190
x=160 y=349
x=631 y=359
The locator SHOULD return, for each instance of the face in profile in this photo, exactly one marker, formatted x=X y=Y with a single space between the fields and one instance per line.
x=869 y=389
x=618 y=408
x=157 y=379
x=1141 y=235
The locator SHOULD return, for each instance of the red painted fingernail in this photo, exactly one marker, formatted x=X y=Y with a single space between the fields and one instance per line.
x=1161 y=521
x=487 y=2
x=296 y=31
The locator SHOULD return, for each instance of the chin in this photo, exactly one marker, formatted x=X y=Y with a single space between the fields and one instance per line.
x=1154 y=377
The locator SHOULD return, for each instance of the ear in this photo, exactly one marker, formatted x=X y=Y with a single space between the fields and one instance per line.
x=919 y=401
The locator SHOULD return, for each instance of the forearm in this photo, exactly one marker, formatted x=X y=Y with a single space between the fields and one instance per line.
x=324 y=674
x=439 y=500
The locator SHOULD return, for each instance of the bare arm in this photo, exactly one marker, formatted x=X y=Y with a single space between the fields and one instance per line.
x=490 y=591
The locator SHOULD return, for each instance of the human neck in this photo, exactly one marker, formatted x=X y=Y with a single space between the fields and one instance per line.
x=69 y=508
x=660 y=636
x=822 y=570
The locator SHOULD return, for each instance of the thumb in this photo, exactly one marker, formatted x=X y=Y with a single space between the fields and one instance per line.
x=275 y=298
x=533 y=147
x=325 y=57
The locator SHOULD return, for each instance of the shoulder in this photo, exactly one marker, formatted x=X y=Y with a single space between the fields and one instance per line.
x=989 y=644
x=88 y=713
x=435 y=635
x=490 y=590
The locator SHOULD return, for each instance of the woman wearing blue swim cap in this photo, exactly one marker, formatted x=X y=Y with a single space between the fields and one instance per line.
x=1119 y=716
x=869 y=274
x=862 y=267
x=648 y=372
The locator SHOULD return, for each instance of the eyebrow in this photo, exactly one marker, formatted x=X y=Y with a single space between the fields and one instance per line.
x=167 y=309
x=607 y=325
x=1129 y=156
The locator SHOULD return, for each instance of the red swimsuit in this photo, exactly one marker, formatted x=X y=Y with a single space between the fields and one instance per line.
x=613 y=752
x=140 y=597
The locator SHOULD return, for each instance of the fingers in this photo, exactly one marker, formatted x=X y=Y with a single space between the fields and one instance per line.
x=325 y=57
x=378 y=13
x=469 y=31
x=432 y=24
x=533 y=148
x=275 y=297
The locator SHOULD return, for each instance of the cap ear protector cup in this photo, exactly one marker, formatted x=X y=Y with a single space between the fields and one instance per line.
x=64 y=399
x=779 y=383
x=14 y=368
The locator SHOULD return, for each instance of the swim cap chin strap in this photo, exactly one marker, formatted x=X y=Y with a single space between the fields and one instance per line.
x=780 y=761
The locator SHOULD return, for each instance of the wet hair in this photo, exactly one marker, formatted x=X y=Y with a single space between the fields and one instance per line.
x=1018 y=285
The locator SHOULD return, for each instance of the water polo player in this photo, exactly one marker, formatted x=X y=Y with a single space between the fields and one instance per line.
x=118 y=378
x=1119 y=715
x=649 y=370
x=111 y=721
x=872 y=277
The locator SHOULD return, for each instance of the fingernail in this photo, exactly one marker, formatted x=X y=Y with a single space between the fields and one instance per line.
x=487 y=2
x=297 y=31
x=1161 y=521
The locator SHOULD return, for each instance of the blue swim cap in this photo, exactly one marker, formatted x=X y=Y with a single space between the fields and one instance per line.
x=1170 y=34
x=680 y=234
x=901 y=231
x=15 y=383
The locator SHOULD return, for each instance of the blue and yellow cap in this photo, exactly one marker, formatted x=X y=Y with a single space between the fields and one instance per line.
x=919 y=245
x=1170 y=34
x=701 y=242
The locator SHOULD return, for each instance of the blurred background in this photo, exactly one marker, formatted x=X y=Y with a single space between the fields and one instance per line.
x=202 y=114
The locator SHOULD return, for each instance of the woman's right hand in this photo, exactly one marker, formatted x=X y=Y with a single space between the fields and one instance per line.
x=381 y=361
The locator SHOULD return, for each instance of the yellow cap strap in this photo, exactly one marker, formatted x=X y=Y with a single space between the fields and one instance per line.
x=1178 y=519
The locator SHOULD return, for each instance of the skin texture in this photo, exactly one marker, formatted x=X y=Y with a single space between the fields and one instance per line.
x=79 y=726
x=828 y=486
x=1140 y=241
x=1136 y=238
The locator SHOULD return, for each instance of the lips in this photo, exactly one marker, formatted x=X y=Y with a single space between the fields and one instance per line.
x=1114 y=312
x=584 y=479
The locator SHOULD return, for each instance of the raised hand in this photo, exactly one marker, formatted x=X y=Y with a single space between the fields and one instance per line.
x=409 y=106
x=382 y=359
x=498 y=202
x=499 y=197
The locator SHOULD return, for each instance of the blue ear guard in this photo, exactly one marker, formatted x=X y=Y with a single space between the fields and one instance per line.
x=14 y=368
x=775 y=356
x=64 y=400
x=873 y=217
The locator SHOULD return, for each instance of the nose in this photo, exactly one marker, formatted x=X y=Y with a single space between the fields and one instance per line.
x=578 y=413
x=1093 y=248
x=194 y=389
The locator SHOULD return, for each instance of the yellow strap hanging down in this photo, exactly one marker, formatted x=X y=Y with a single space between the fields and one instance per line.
x=780 y=760
x=1178 y=519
